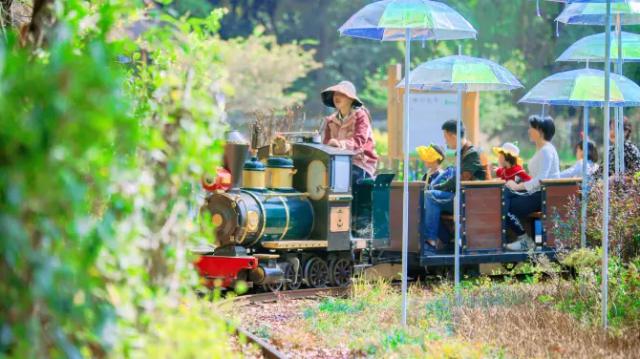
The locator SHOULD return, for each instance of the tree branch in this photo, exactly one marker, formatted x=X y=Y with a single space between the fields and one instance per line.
x=5 y=14
x=41 y=20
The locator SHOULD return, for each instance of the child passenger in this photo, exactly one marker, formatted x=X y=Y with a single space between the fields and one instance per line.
x=432 y=157
x=510 y=163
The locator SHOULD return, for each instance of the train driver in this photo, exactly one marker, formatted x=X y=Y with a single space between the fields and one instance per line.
x=349 y=128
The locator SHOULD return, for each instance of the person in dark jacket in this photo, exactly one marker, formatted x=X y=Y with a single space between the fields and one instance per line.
x=439 y=198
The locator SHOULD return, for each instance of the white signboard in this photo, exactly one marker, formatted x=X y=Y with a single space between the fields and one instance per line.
x=428 y=111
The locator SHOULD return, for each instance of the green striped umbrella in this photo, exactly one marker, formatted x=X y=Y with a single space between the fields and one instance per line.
x=406 y=20
x=591 y=48
x=389 y=20
x=584 y=87
x=464 y=73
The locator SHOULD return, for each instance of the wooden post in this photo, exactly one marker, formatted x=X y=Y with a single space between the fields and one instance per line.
x=471 y=116
x=394 y=111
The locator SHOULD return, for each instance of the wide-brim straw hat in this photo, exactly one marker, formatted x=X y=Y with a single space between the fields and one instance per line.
x=346 y=88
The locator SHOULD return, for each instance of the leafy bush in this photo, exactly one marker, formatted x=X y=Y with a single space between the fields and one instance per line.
x=99 y=172
x=582 y=298
x=187 y=331
x=66 y=130
x=260 y=70
x=624 y=223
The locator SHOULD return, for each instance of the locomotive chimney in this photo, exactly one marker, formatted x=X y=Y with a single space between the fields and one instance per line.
x=236 y=152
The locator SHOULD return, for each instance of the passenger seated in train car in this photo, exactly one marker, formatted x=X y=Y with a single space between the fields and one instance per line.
x=522 y=199
x=439 y=198
x=592 y=161
x=631 y=152
x=432 y=157
x=510 y=163
x=349 y=128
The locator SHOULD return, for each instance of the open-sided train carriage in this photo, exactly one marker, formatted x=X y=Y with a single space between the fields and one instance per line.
x=295 y=220
x=483 y=231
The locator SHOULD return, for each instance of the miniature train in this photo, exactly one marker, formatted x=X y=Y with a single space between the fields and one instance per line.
x=288 y=221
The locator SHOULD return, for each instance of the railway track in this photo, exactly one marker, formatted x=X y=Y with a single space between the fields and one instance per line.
x=269 y=351
x=292 y=294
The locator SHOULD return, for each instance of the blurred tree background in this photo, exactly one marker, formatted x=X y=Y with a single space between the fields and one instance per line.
x=513 y=36
x=112 y=110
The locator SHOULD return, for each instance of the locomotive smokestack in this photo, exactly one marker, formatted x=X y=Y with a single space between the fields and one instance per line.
x=236 y=152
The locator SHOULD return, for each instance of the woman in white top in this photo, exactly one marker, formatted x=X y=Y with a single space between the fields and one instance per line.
x=592 y=161
x=522 y=199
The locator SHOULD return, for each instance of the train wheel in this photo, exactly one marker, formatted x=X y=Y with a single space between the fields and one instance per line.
x=340 y=272
x=316 y=272
x=292 y=281
x=274 y=287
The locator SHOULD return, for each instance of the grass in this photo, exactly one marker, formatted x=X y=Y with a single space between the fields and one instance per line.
x=368 y=323
x=509 y=319
x=535 y=318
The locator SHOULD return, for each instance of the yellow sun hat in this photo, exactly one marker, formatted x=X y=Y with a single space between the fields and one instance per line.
x=511 y=149
x=431 y=153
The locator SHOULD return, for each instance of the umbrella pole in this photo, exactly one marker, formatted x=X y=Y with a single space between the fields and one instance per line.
x=605 y=172
x=585 y=176
x=456 y=203
x=405 y=178
x=619 y=110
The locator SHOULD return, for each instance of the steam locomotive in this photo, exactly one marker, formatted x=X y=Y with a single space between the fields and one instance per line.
x=288 y=221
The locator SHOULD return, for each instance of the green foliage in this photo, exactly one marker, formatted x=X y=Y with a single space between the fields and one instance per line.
x=99 y=175
x=396 y=339
x=175 y=80
x=194 y=8
x=66 y=130
x=381 y=140
x=374 y=92
x=261 y=71
x=496 y=111
x=187 y=331
x=624 y=235
x=582 y=298
x=368 y=322
x=332 y=305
